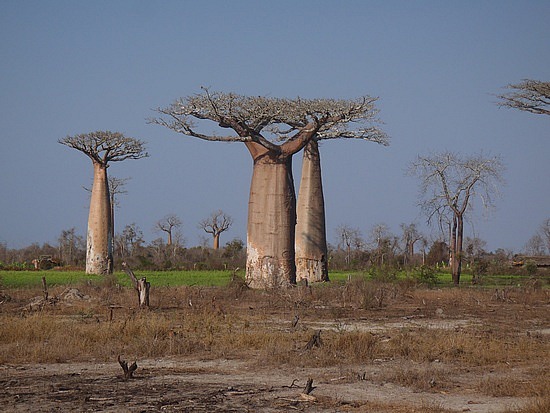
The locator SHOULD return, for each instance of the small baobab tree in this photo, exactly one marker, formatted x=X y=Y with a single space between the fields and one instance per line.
x=273 y=130
x=449 y=183
x=102 y=147
x=410 y=236
x=215 y=224
x=168 y=224
x=529 y=95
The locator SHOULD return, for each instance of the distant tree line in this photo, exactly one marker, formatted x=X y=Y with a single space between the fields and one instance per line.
x=381 y=248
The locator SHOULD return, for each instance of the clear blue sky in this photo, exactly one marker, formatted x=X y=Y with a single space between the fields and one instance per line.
x=70 y=67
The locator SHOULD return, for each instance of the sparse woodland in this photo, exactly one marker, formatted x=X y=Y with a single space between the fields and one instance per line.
x=395 y=331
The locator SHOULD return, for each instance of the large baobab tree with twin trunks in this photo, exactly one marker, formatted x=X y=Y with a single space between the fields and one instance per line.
x=311 y=237
x=102 y=147
x=273 y=130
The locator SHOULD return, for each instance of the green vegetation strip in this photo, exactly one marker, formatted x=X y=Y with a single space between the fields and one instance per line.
x=22 y=279
x=28 y=279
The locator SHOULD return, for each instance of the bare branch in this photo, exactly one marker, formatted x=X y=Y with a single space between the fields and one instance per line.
x=273 y=122
x=529 y=95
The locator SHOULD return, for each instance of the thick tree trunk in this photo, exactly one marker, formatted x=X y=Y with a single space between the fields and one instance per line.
x=216 y=243
x=311 y=241
x=271 y=221
x=99 y=253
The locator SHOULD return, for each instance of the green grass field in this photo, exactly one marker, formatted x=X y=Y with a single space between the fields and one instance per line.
x=23 y=279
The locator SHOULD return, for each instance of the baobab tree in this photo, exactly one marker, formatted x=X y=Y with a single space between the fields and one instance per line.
x=168 y=224
x=273 y=130
x=102 y=147
x=116 y=187
x=529 y=95
x=449 y=183
x=215 y=224
x=311 y=237
x=410 y=236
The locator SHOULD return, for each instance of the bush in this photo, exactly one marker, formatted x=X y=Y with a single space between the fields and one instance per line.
x=384 y=274
x=425 y=275
x=479 y=269
x=531 y=267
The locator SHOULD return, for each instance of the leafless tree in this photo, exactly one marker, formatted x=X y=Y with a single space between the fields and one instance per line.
x=102 y=147
x=449 y=183
x=410 y=236
x=383 y=241
x=535 y=246
x=71 y=247
x=539 y=244
x=348 y=237
x=273 y=130
x=168 y=224
x=116 y=187
x=215 y=224
x=130 y=240
x=545 y=233
x=529 y=95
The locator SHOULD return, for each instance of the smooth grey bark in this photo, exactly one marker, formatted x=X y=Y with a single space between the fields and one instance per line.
x=99 y=246
x=271 y=221
x=311 y=240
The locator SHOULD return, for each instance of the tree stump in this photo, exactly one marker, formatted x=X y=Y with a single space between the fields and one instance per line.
x=314 y=341
x=309 y=386
x=128 y=371
x=142 y=286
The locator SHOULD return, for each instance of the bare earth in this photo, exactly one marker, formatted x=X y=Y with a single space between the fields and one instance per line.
x=199 y=384
x=213 y=386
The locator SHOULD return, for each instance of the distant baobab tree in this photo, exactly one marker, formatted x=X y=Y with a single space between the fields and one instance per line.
x=102 y=147
x=168 y=224
x=529 y=95
x=273 y=130
x=215 y=224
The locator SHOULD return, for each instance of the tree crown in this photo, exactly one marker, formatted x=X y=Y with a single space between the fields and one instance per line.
x=450 y=181
x=271 y=122
x=106 y=146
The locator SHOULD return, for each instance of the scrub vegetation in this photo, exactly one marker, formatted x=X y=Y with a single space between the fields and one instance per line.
x=483 y=347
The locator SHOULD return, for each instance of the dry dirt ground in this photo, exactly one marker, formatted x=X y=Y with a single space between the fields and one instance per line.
x=187 y=385
x=217 y=384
